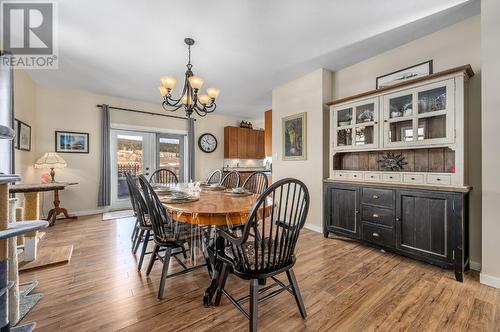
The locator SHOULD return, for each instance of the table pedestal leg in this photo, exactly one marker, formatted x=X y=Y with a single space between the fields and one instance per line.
x=31 y=212
x=53 y=213
x=216 y=269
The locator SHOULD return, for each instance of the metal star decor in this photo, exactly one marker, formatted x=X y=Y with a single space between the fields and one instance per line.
x=393 y=162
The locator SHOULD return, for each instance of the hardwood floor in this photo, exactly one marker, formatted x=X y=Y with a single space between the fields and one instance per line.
x=346 y=286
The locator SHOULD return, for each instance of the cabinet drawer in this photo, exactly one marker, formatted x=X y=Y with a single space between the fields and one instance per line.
x=356 y=176
x=341 y=175
x=369 y=176
x=438 y=179
x=377 y=235
x=378 y=215
x=380 y=197
x=391 y=177
x=413 y=178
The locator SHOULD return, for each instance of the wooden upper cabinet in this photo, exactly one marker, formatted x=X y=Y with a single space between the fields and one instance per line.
x=243 y=143
x=268 y=127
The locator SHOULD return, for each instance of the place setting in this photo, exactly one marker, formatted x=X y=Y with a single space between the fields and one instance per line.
x=177 y=197
x=237 y=192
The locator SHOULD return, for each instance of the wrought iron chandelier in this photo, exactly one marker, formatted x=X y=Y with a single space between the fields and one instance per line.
x=191 y=100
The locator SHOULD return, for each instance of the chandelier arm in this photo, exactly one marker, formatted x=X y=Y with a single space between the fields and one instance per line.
x=173 y=109
x=202 y=114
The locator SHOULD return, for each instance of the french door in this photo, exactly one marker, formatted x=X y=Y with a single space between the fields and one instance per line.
x=139 y=153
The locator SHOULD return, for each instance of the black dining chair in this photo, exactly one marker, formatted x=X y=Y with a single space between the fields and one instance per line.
x=214 y=177
x=256 y=183
x=143 y=227
x=277 y=216
x=163 y=176
x=231 y=180
x=169 y=236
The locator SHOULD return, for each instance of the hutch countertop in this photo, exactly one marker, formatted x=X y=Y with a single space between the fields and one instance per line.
x=464 y=189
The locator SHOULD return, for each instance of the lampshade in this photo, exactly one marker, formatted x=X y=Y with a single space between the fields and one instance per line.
x=196 y=82
x=213 y=93
x=50 y=160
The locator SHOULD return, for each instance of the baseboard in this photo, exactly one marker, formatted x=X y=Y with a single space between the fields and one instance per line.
x=314 y=228
x=476 y=266
x=489 y=280
x=87 y=212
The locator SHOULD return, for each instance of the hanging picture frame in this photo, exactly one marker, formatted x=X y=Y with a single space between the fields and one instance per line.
x=405 y=74
x=71 y=142
x=24 y=136
x=294 y=135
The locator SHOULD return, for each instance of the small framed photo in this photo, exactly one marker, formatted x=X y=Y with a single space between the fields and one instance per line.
x=24 y=136
x=421 y=69
x=72 y=142
x=16 y=129
x=294 y=135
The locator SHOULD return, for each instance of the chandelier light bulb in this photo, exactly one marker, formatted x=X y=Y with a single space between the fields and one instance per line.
x=196 y=82
x=168 y=82
x=204 y=99
x=213 y=93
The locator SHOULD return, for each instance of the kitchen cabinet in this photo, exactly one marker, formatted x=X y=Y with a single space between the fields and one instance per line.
x=243 y=143
x=268 y=127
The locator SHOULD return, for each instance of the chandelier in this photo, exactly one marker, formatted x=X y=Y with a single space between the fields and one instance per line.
x=191 y=100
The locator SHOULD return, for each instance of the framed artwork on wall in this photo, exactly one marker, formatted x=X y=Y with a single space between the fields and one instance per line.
x=294 y=135
x=421 y=69
x=72 y=142
x=24 y=136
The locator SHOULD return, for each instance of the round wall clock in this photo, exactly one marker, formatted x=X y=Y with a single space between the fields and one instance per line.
x=207 y=143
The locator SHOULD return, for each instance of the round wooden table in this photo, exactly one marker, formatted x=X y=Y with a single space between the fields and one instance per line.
x=217 y=209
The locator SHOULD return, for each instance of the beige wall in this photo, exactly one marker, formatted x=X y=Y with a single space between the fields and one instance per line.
x=453 y=46
x=56 y=108
x=24 y=105
x=490 y=34
x=306 y=94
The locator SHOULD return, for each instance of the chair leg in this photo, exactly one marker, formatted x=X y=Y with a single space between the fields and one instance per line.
x=254 y=301
x=296 y=292
x=164 y=272
x=144 y=248
x=152 y=259
x=134 y=232
x=221 y=283
x=138 y=241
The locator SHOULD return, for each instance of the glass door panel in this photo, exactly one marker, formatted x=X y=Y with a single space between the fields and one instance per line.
x=364 y=135
x=401 y=106
x=344 y=137
x=432 y=100
x=401 y=131
x=432 y=127
x=171 y=154
x=365 y=113
x=344 y=117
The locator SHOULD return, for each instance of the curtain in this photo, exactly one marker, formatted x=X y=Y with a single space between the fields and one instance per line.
x=191 y=149
x=104 y=195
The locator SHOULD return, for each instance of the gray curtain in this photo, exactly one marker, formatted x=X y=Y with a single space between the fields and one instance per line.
x=191 y=149
x=104 y=195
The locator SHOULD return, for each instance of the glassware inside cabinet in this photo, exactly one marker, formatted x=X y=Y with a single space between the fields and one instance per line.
x=344 y=137
x=432 y=127
x=401 y=131
x=364 y=135
x=365 y=113
x=432 y=100
x=401 y=106
x=344 y=117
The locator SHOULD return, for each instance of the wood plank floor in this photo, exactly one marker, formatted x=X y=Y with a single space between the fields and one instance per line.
x=346 y=287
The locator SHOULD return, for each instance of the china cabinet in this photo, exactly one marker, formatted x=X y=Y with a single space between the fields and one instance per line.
x=398 y=177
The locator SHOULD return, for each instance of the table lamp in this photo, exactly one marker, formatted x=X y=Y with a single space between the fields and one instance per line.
x=51 y=160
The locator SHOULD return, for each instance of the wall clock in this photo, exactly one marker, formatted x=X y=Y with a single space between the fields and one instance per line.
x=207 y=143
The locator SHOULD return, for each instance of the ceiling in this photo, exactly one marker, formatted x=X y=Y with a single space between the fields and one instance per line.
x=245 y=48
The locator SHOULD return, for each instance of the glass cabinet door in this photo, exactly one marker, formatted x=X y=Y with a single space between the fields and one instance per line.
x=419 y=116
x=356 y=125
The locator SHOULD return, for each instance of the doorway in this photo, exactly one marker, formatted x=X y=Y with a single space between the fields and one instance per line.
x=140 y=153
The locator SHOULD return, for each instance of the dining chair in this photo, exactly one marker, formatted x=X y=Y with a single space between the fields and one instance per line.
x=169 y=236
x=214 y=177
x=163 y=176
x=278 y=216
x=231 y=180
x=256 y=182
x=143 y=227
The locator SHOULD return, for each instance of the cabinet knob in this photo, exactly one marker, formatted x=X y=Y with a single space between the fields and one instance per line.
x=375 y=215
x=376 y=122
x=375 y=197
x=397 y=219
x=438 y=179
x=376 y=234
x=413 y=179
x=357 y=211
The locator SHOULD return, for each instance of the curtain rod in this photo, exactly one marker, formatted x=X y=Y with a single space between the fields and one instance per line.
x=143 y=112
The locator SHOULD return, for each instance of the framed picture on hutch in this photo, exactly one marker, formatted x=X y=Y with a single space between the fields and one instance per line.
x=72 y=142
x=294 y=135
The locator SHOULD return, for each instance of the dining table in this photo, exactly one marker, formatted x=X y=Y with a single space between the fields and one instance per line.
x=212 y=208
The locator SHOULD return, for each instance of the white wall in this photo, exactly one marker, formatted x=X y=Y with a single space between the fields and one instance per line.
x=306 y=94
x=490 y=34
x=453 y=46
x=56 y=108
